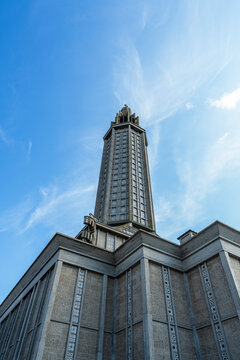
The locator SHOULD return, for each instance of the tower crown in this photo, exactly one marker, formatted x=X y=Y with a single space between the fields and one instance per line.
x=125 y=115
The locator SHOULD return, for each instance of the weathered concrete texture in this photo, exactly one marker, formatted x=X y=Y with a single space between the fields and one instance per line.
x=235 y=268
x=136 y=289
x=207 y=343
x=157 y=293
x=186 y=344
x=63 y=302
x=108 y=325
x=161 y=341
x=107 y=343
x=221 y=289
x=91 y=300
x=178 y=291
x=138 y=344
x=198 y=297
x=121 y=302
x=121 y=345
x=87 y=344
x=232 y=331
x=56 y=341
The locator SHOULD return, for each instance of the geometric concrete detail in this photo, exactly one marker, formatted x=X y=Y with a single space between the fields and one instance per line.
x=214 y=313
x=76 y=311
x=172 y=328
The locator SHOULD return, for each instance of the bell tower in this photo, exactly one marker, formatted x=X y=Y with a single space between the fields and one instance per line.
x=124 y=191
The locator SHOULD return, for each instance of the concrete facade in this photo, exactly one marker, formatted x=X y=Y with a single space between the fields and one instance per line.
x=148 y=299
x=119 y=291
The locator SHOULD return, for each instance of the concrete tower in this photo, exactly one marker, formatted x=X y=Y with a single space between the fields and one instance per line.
x=124 y=191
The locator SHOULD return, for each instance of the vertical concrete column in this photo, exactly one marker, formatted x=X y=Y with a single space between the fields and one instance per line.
x=147 y=313
x=49 y=307
x=102 y=318
x=230 y=279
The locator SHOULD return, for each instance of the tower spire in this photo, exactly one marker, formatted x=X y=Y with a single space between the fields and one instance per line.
x=124 y=191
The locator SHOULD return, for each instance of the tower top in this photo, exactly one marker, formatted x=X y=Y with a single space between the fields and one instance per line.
x=125 y=115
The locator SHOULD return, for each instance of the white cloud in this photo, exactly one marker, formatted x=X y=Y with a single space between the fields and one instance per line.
x=227 y=101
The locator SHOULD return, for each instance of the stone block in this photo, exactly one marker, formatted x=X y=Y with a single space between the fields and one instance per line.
x=198 y=297
x=157 y=292
x=178 y=292
x=161 y=341
x=137 y=293
x=56 y=341
x=65 y=291
x=91 y=299
x=207 y=344
x=87 y=344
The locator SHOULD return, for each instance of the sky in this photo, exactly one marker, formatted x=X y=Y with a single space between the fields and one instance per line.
x=67 y=67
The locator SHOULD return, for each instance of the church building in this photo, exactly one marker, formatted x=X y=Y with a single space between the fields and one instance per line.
x=120 y=291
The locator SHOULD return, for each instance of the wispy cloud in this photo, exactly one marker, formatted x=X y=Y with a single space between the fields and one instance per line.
x=159 y=85
x=189 y=106
x=228 y=101
x=56 y=204
x=3 y=136
x=29 y=148
x=197 y=181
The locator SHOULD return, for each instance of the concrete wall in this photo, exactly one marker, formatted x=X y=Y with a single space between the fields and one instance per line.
x=20 y=330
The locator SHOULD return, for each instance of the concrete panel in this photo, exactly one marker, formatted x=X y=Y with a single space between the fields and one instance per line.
x=121 y=345
x=87 y=344
x=178 y=292
x=64 y=297
x=138 y=344
x=157 y=294
x=121 y=302
x=207 y=344
x=221 y=289
x=198 y=297
x=91 y=299
x=55 y=341
x=161 y=341
x=109 y=305
x=235 y=268
x=232 y=331
x=186 y=344
x=107 y=343
x=137 y=293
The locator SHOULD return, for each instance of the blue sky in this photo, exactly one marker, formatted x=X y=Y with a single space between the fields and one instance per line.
x=68 y=66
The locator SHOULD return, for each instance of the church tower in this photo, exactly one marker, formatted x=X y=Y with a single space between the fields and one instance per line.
x=124 y=191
